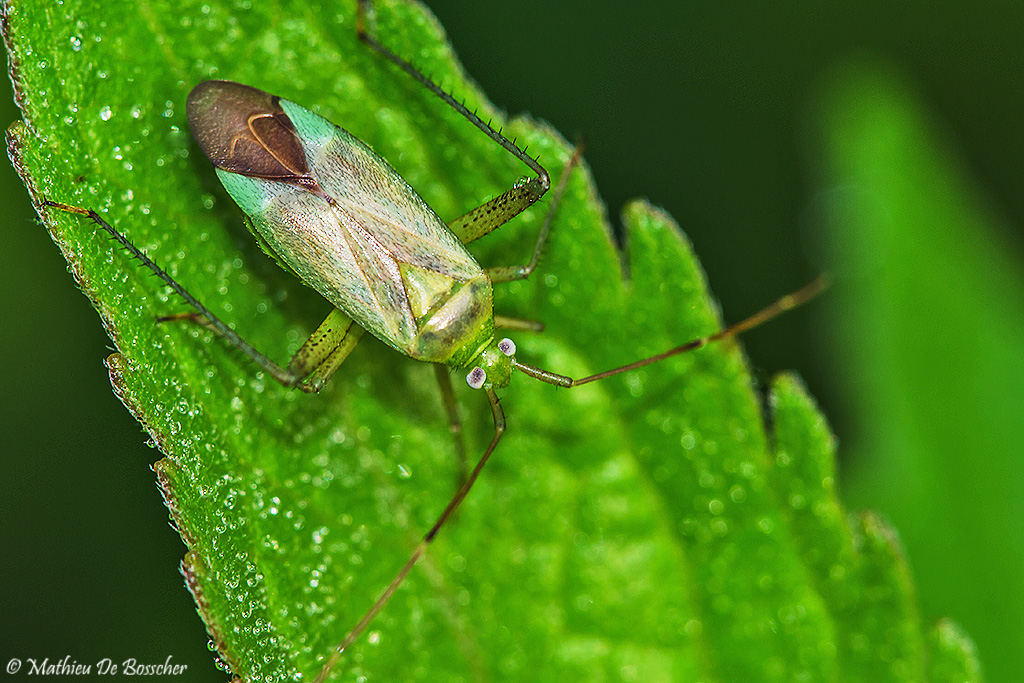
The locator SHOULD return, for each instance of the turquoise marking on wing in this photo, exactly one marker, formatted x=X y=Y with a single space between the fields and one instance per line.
x=252 y=197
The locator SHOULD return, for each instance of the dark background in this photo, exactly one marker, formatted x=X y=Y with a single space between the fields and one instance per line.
x=704 y=108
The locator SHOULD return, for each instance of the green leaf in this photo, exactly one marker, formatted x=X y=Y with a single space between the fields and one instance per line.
x=931 y=344
x=641 y=528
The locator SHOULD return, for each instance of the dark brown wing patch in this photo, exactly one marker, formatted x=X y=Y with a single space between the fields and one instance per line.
x=244 y=130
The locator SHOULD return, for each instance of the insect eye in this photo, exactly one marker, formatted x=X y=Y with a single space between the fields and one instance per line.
x=476 y=377
x=507 y=347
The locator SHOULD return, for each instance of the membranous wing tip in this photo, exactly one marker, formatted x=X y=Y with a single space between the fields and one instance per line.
x=244 y=130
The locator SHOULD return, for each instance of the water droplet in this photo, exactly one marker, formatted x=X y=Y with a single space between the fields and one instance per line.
x=583 y=603
x=737 y=494
x=106 y=113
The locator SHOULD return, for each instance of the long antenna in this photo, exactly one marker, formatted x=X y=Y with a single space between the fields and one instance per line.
x=786 y=303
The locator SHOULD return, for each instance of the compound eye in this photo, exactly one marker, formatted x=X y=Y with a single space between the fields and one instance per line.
x=507 y=347
x=476 y=377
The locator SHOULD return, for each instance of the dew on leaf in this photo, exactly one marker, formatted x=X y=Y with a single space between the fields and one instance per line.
x=737 y=494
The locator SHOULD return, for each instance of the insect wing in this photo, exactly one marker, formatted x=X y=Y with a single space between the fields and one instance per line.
x=365 y=186
x=329 y=252
x=354 y=239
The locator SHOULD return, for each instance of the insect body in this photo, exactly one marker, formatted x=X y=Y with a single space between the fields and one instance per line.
x=335 y=214
x=340 y=218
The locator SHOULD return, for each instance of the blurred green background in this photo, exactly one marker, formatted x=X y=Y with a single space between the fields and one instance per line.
x=878 y=142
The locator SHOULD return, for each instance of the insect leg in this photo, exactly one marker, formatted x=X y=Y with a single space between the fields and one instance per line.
x=491 y=215
x=451 y=406
x=501 y=209
x=322 y=354
x=509 y=273
x=288 y=376
x=417 y=553
x=790 y=301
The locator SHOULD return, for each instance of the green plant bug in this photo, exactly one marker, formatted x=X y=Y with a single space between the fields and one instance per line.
x=335 y=214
